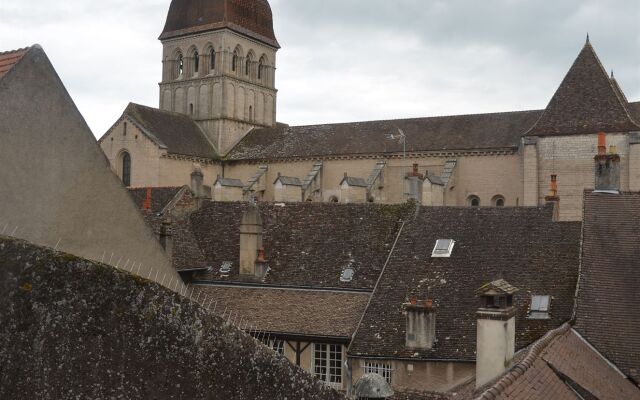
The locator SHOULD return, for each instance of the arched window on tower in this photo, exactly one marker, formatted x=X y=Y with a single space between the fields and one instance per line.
x=180 y=65
x=250 y=113
x=196 y=62
x=260 y=67
x=125 y=159
x=247 y=68
x=498 y=201
x=234 y=62
x=212 y=59
x=473 y=201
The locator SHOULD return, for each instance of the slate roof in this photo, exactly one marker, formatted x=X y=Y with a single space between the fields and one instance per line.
x=176 y=132
x=587 y=101
x=10 y=58
x=562 y=366
x=434 y=179
x=306 y=244
x=250 y=17
x=353 y=181
x=300 y=312
x=607 y=312
x=463 y=132
x=160 y=197
x=524 y=247
x=229 y=182
x=289 y=180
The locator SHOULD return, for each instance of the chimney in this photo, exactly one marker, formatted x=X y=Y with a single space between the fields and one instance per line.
x=166 y=239
x=196 y=182
x=415 y=182
x=496 y=330
x=553 y=197
x=250 y=240
x=421 y=324
x=262 y=266
x=607 y=167
x=146 y=205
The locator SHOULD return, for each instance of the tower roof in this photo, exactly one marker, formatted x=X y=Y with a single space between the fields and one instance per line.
x=587 y=101
x=250 y=17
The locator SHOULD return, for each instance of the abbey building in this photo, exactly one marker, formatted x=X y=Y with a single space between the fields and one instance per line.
x=217 y=113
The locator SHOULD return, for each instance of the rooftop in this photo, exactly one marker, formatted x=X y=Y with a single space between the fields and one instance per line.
x=10 y=58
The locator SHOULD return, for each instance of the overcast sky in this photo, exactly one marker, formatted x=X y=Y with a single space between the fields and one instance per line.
x=347 y=60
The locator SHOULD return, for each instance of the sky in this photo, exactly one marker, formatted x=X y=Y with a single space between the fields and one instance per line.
x=347 y=60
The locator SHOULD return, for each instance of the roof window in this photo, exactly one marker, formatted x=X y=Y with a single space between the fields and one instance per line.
x=443 y=248
x=347 y=273
x=225 y=269
x=539 y=307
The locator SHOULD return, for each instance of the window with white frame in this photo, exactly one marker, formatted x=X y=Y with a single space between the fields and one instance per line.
x=327 y=363
x=539 y=307
x=443 y=248
x=276 y=345
x=377 y=367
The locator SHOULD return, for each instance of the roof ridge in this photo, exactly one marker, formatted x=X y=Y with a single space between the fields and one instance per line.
x=3 y=53
x=523 y=366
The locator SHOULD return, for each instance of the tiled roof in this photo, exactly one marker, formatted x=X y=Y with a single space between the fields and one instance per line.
x=300 y=312
x=434 y=179
x=307 y=244
x=607 y=312
x=587 y=101
x=561 y=366
x=289 y=180
x=249 y=17
x=176 y=132
x=229 y=182
x=10 y=58
x=353 y=181
x=160 y=197
x=463 y=132
x=520 y=245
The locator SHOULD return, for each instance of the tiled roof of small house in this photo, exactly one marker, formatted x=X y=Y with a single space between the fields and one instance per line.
x=562 y=365
x=520 y=245
x=289 y=180
x=10 y=58
x=587 y=101
x=607 y=312
x=160 y=197
x=447 y=133
x=177 y=133
x=353 y=181
x=290 y=311
x=229 y=182
x=307 y=244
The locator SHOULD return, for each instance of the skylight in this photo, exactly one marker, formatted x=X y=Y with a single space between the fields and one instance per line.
x=225 y=269
x=347 y=275
x=443 y=248
x=539 y=307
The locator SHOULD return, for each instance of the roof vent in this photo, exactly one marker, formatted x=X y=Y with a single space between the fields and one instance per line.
x=443 y=248
x=225 y=270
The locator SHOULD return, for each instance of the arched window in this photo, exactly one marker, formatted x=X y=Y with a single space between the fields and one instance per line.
x=498 y=201
x=247 y=68
x=212 y=59
x=251 y=113
x=260 y=66
x=191 y=109
x=234 y=62
x=126 y=169
x=196 y=62
x=473 y=201
x=180 y=65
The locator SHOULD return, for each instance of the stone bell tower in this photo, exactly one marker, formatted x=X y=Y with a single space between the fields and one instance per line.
x=219 y=62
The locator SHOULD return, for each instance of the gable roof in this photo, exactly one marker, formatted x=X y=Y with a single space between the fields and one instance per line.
x=229 y=182
x=562 y=365
x=353 y=181
x=525 y=248
x=587 y=101
x=161 y=197
x=10 y=58
x=176 y=132
x=462 y=132
x=288 y=180
x=307 y=244
x=607 y=312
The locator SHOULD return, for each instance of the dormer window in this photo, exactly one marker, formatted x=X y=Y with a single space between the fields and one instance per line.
x=539 y=307
x=443 y=248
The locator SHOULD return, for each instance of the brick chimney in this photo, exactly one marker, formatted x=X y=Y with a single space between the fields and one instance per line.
x=250 y=240
x=262 y=266
x=415 y=182
x=421 y=324
x=553 y=198
x=146 y=205
x=607 y=167
x=496 y=330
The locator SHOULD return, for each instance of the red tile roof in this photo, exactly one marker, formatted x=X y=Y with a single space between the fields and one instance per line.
x=10 y=58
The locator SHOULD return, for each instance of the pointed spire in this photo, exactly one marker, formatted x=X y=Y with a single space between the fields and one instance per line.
x=588 y=41
x=612 y=76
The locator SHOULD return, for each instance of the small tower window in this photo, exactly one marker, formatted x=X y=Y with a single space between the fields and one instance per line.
x=126 y=169
x=191 y=109
x=180 y=65
x=247 y=69
x=474 y=201
x=234 y=62
x=124 y=130
x=196 y=62
x=251 y=113
x=212 y=59
x=260 y=67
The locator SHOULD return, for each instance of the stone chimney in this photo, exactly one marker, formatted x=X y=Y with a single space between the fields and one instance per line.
x=197 y=179
x=166 y=237
x=250 y=240
x=552 y=197
x=496 y=330
x=421 y=324
x=415 y=181
x=607 y=166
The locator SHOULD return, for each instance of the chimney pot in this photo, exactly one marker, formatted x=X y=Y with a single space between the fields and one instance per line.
x=147 y=201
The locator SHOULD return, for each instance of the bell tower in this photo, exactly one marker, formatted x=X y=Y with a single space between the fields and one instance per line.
x=219 y=63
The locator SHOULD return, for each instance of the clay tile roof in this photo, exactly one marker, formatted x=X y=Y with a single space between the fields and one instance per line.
x=525 y=248
x=229 y=182
x=461 y=132
x=607 y=312
x=160 y=197
x=353 y=181
x=500 y=285
x=178 y=133
x=562 y=365
x=10 y=58
x=587 y=101
x=309 y=312
x=250 y=17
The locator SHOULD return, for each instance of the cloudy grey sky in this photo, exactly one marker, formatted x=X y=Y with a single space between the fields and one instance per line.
x=347 y=60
